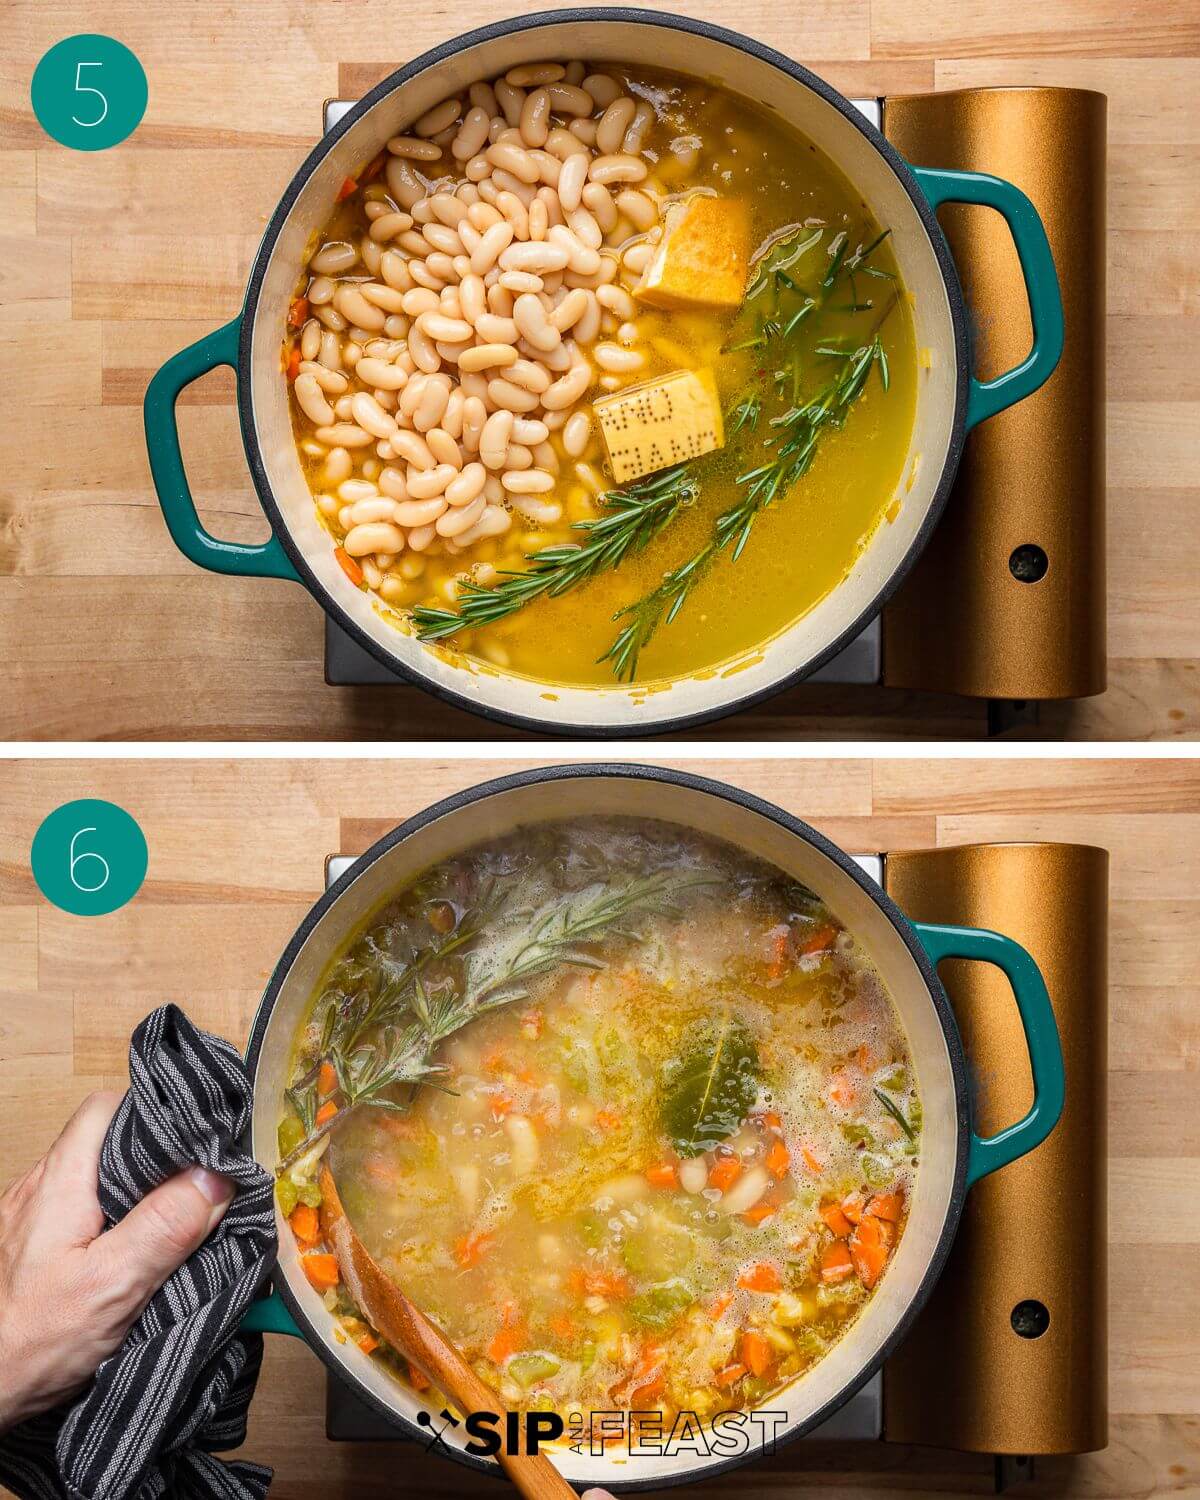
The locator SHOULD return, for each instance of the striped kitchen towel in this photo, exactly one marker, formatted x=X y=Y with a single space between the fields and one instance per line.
x=178 y=1389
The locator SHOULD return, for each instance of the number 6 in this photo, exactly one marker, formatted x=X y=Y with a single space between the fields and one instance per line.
x=78 y=859
x=86 y=88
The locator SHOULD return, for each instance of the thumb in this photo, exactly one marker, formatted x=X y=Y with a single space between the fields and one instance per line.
x=159 y=1233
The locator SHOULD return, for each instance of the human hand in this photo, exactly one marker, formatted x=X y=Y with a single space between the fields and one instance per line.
x=70 y=1292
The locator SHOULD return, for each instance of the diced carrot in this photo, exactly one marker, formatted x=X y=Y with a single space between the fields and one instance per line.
x=852 y=1207
x=417 y=1378
x=841 y=1090
x=292 y=368
x=348 y=566
x=501 y=1104
x=811 y=1160
x=886 y=1206
x=647 y=1393
x=374 y=168
x=836 y=1219
x=662 y=1175
x=562 y=1327
x=532 y=1022
x=820 y=941
x=327 y=1080
x=494 y=1060
x=864 y=1058
x=607 y=1119
x=756 y=1353
x=586 y=1282
x=762 y=1277
x=836 y=1264
x=724 y=1173
x=321 y=1270
x=771 y=1120
x=718 y=1308
x=867 y=1251
x=507 y=1341
x=759 y=1213
x=368 y=1343
x=469 y=1249
x=298 y=313
x=326 y=1112
x=305 y=1224
x=779 y=1159
x=348 y=186
x=730 y=1375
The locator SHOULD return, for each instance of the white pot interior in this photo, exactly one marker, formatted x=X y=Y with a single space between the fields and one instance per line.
x=632 y=42
x=501 y=813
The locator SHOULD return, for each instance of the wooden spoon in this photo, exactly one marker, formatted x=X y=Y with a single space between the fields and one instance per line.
x=408 y=1330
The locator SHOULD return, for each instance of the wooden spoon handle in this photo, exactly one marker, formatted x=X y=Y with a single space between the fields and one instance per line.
x=408 y=1330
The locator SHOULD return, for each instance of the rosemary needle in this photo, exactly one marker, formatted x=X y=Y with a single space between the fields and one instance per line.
x=633 y=517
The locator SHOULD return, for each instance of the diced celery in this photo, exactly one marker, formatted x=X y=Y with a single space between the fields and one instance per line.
x=660 y=1306
x=291 y=1133
x=310 y=1194
x=587 y=1354
x=526 y=1369
x=288 y=1195
x=896 y=1080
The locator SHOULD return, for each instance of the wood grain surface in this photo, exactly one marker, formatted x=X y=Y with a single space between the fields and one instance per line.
x=110 y=262
x=236 y=857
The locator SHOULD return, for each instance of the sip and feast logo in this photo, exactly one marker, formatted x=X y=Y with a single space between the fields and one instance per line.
x=728 y=1434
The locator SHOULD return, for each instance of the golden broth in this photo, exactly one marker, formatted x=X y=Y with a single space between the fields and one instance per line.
x=705 y=139
x=670 y=1172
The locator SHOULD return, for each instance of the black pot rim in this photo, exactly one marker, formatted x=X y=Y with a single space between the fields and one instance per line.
x=407 y=672
x=745 y=800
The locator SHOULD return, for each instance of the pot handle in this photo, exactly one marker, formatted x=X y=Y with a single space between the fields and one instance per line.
x=269 y=1314
x=266 y=559
x=1041 y=1037
x=987 y=397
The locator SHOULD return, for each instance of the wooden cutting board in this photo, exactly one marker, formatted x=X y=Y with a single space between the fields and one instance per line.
x=237 y=850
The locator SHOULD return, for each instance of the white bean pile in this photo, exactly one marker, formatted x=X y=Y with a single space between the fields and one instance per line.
x=447 y=354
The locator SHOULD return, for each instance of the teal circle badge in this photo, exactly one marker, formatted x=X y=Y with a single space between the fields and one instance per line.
x=89 y=857
x=89 y=92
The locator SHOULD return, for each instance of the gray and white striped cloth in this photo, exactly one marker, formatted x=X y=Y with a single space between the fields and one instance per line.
x=178 y=1389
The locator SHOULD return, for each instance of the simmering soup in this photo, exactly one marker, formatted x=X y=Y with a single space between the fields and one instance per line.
x=629 y=1114
x=600 y=376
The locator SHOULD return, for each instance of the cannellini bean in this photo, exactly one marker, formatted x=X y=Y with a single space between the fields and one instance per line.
x=443 y=447
x=412 y=149
x=471 y=135
x=638 y=257
x=496 y=330
x=637 y=208
x=420 y=512
x=576 y=433
x=394 y=269
x=413 y=448
x=388 y=226
x=615 y=360
x=524 y=1142
x=571 y=180
x=602 y=88
x=420 y=346
x=334 y=257
x=474 y=416
x=518 y=457
x=693 y=1174
x=616 y=167
x=351 y=490
x=454 y=522
x=568 y=388
x=482 y=97
x=527 y=481
x=582 y=259
x=494 y=439
x=570 y=309
x=310 y=339
x=643 y=118
x=494 y=521
x=467 y=485
x=386 y=297
x=535 y=118
x=534 y=257
x=378 y=508
x=438 y=118
x=525 y=74
x=487 y=356
x=466 y=1182
x=403 y=183
x=598 y=200
x=392 y=482
x=432 y=405
x=529 y=430
x=584 y=227
x=746 y=1191
x=380 y=374
x=312 y=401
x=377 y=536
x=514 y=398
x=533 y=323
x=514 y=159
x=355 y=308
x=332 y=382
x=370 y=416
x=423 y=485
x=613 y=123
x=494 y=245
x=338 y=466
x=442 y=239
x=529 y=374
x=443 y=329
x=541 y=512
x=320 y=289
x=617 y=300
x=343 y=435
x=569 y=99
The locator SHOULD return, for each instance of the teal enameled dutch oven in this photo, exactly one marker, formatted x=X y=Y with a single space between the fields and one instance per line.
x=950 y=400
x=906 y=954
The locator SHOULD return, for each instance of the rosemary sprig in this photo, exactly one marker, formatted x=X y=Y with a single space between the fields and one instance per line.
x=531 y=944
x=896 y=1113
x=791 y=454
x=635 y=515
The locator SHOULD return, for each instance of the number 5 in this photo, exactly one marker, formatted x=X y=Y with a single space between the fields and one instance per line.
x=78 y=859
x=86 y=88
